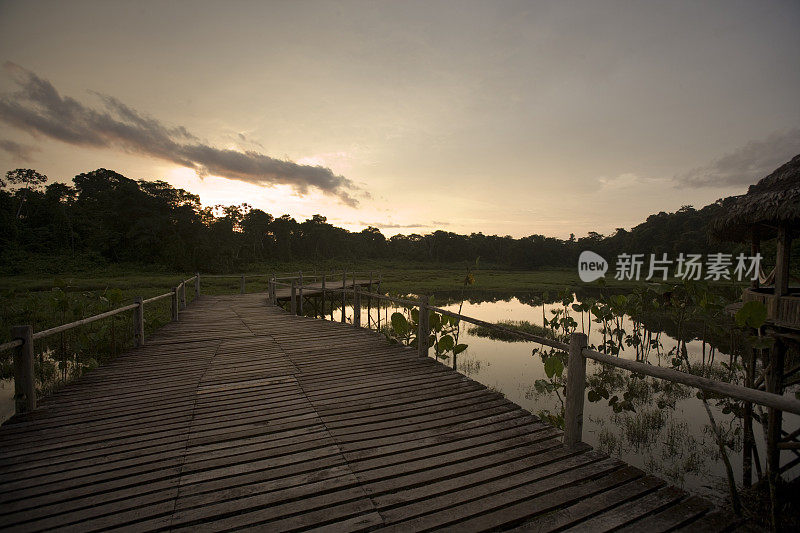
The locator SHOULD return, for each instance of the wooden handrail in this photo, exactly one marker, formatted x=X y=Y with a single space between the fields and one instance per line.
x=9 y=345
x=65 y=327
x=738 y=392
x=156 y=298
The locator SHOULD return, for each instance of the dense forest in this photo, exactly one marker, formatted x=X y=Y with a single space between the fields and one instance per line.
x=105 y=217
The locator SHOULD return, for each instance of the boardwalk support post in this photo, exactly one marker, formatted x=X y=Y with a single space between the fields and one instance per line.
x=293 y=299
x=344 y=292
x=197 y=285
x=174 y=304
x=323 y=297
x=138 y=323
x=423 y=331
x=24 y=377
x=300 y=296
x=576 y=386
x=183 y=295
x=774 y=384
x=356 y=308
x=369 y=301
x=241 y=288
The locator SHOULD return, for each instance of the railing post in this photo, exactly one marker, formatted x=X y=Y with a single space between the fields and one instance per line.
x=369 y=300
x=293 y=299
x=300 y=296
x=423 y=332
x=197 y=285
x=576 y=387
x=174 y=304
x=344 y=292
x=242 y=285
x=356 y=308
x=24 y=377
x=774 y=384
x=322 y=313
x=138 y=323
x=269 y=292
x=183 y=295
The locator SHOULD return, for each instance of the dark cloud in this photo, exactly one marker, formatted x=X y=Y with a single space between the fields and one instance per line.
x=747 y=164
x=40 y=110
x=20 y=151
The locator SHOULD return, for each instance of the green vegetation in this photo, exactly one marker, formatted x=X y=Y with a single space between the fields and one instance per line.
x=505 y=336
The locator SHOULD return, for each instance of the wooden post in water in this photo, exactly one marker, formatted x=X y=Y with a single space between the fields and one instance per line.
x=138 y=323
x=576 y=386
x=369 y=300
x=356 y=308
x=241 y=288
x=293 y=299
x=747 y=420
x=300 y=298
x=423 y=331
x=174 y=304
x=774 y=384
x=344 y=292
x=24 y=377
x=197 y=284
x=322 y=313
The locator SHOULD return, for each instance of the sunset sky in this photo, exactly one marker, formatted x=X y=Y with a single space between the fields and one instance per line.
x=501 y=117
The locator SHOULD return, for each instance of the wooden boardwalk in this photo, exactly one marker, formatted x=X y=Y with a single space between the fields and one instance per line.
x=333 y=286
x=242 y=416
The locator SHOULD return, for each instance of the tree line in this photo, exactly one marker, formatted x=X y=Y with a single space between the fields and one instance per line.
x=104 y=217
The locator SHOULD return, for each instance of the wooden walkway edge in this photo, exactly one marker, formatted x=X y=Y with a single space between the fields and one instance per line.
x=243 y=416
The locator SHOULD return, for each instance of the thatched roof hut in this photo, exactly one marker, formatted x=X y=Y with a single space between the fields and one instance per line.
x=769 y=204
x=771 y=208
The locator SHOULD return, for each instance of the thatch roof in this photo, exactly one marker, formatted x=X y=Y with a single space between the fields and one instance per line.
x=774 y=201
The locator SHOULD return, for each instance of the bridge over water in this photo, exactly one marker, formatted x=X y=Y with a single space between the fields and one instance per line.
x=241 y=415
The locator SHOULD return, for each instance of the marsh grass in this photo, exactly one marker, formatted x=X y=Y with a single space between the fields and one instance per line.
x=518 y=325
x=470 y=366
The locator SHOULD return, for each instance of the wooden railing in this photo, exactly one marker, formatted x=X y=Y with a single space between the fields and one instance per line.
x=24 y=337
x=297 y=286
x=578 y=352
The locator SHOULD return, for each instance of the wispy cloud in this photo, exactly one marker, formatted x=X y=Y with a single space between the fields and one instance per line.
x=39 y=109
x=20 y=151
x=389 y=225
x=747 y=164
